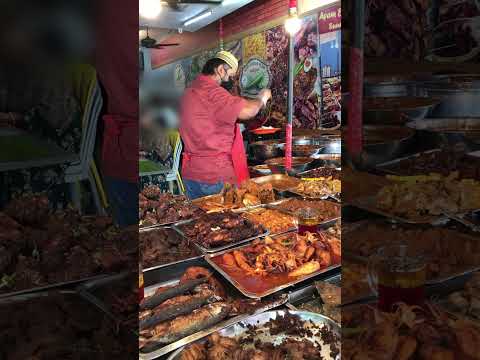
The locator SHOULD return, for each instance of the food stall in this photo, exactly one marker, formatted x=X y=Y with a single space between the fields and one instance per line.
x=410 y=246
x=266 y=254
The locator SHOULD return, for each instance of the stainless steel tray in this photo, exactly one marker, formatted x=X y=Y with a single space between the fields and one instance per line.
x=294 y=192
x=300 y=296
x=205 y=250
x=271 y=179
x=241 y=329
x=172 y=278
x=87 y=290
x=467 y=219
x=268 y=206
x=389 y=166
x=239 y=287
x=435 y=281
x=17 y=300
x=51 y=286
x=232 y=209
x=325 y=223
x=368 y=204
x=170 y=263
x=305 y=174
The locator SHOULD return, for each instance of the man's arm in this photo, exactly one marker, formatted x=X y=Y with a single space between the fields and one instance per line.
x=250 y=110
x=252 y=107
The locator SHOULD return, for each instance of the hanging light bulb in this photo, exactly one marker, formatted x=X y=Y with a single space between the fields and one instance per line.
x=293 y=23
x=149 y=9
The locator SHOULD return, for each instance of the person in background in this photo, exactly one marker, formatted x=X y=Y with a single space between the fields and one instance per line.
x=214 y=153
x=155 y=144
x=117 y=66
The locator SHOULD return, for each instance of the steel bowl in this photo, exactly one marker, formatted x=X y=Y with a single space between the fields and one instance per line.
x=267 y=149
x=262 y=169
x=460 y=133
x=334 y=160
x=392 y=110
x=299 y=164
x=332 y=145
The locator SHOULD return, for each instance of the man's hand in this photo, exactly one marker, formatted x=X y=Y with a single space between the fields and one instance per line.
x=264 y=95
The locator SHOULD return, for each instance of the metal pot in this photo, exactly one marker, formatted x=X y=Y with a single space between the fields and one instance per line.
x=459 y=97
x=299 y=164
x=306 y=146
x=267 y=149
x=390 y=89
x=461 y=133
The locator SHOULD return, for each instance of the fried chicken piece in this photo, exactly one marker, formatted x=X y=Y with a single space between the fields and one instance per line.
x=406 y=347
x=435 y=352
x=194 y=352
x=266 y=194
x=468 y=338
x=250 y=200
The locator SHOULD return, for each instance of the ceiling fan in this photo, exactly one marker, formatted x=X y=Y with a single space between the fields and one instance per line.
x=176 y=4
x=151 y=43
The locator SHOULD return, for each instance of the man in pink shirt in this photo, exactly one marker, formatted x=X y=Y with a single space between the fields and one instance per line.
x=209 y=129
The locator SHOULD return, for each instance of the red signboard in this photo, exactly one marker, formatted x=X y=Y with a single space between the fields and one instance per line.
x=330 y=19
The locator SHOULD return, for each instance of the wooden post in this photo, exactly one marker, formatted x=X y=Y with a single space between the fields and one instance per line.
x=355 y=110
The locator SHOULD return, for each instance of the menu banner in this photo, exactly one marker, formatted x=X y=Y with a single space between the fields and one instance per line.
x=330 y=19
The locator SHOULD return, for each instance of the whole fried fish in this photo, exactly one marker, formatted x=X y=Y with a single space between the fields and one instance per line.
x=180 y=305
x=157 y=299
x=182 y=326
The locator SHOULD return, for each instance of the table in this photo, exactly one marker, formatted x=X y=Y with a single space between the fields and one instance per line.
x=21 y=150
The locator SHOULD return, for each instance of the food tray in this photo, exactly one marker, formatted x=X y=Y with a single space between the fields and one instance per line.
x=116 y=331
x=91 y=291
x=368 y=203
x=240 y=328
x=159 y=278
x=204 y=250
x=307 y=174
x=170 y=263
x=267 y=206
x=335 y=197
x=391 y=167
x=258 y=295
x=435 y=281
x=324 y=223
x=469 y=219
x=52 y=286
x=307 y=293
x=228 y=208
x=276 y=180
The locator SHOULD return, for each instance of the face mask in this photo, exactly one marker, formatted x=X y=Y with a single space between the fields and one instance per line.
x=227 y=85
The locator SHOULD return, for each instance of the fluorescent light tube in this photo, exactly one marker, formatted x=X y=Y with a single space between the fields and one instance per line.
x=197 y=18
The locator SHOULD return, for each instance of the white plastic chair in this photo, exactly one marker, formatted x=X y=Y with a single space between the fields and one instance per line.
x=89 y=94
x=173 y=174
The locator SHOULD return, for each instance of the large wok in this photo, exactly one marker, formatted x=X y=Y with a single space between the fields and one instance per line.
x=459 y=95
x=461 y=133
x=383 y=143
